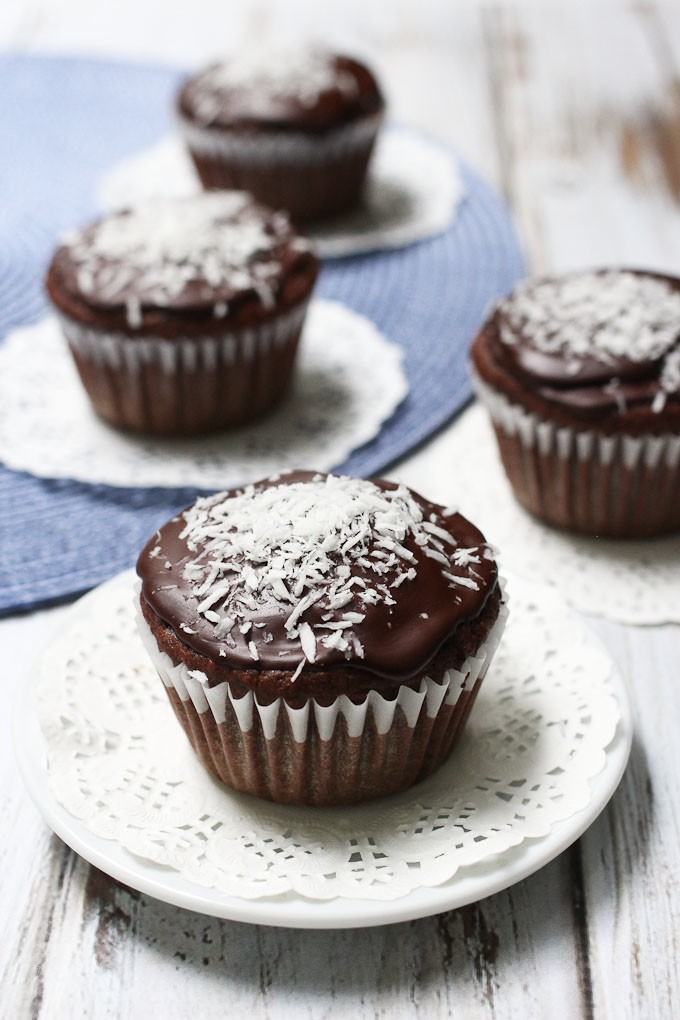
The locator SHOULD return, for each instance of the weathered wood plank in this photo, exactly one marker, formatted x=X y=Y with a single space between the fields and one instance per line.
x=631 y=854
x=585 y=110
x=124 y=949
x=571 y=108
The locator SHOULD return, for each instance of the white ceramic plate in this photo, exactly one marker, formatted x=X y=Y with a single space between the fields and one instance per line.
x=469 y=884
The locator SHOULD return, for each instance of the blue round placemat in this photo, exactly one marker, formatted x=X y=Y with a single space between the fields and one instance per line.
x=64 y=122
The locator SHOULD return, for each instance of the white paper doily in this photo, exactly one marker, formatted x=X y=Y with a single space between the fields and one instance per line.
x=550 y=712
x=635 y=582
x=412 y=192
x=348 y=381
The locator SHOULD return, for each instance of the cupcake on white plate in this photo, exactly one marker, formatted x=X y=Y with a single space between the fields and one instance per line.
x=322 y=639
x=293 y=126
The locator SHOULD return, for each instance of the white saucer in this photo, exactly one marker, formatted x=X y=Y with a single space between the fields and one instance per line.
x=470 y=884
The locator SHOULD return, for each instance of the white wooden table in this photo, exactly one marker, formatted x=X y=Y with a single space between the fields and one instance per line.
x=573 y=111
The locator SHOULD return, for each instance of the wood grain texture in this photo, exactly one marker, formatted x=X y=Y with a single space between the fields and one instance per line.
x=573 y=110
x=586 y=103
x=630 y=855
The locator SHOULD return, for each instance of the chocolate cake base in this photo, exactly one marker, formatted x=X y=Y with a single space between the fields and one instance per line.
x=186 y=386
x=345 y=768
x=341 y=771
x=312 y=178
x=584 y=481
x=623 y=497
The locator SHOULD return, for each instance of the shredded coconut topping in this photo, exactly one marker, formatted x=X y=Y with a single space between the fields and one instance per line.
x=670 y=373
x=262 y=74
x=161 y=246
x=295 y=546
x=607 y=316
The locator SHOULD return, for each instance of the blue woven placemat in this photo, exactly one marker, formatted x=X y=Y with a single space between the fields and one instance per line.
x=65 y=121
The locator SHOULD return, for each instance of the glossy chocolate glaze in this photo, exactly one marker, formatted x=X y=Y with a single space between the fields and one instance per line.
x=584 y=387
x=598 y=387
x=245 y=109
x=397 y=640
x=200 y=304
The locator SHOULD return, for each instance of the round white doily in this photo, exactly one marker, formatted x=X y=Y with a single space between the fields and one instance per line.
x=633 y=582
x=412 y=192
x=349 y=380
x=120 y=765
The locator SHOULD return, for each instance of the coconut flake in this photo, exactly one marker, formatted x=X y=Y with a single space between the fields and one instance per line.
x=308 y=641
x=282 y=549
x=466 y=557
x=298 y=670
x=670 y=373
x=260 y=74
x=465 y=582
x=607 y=315
x=160 y=247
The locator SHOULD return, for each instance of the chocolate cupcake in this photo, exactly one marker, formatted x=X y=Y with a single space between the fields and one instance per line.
x=184 y=315
x=295 y=128
x=581 y=376
x=322 y=639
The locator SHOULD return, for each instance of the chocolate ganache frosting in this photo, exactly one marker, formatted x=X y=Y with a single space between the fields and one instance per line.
x=308 y=571
x=203 y=258
x=281 y=89
x=596 y=346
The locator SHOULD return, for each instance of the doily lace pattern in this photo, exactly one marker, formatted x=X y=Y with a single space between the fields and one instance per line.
x=634 y=582
x=412 y=193
x=121 y=765
x=349 y=381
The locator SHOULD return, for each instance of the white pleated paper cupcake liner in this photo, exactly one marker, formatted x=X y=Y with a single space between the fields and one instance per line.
x=366 y=749
x=280 y=147
x=590 y=481
x=173 y=354
x=176 y=386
